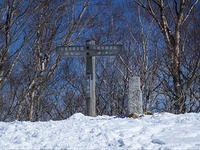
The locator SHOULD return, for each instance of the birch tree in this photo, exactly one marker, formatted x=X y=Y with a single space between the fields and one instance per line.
x=170 y=17
x=53 y=24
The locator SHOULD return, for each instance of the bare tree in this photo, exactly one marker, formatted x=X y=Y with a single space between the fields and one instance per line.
x=31 y=31
x=51 y=24
x=170 y=17
x=13 y=40
x=12 y=23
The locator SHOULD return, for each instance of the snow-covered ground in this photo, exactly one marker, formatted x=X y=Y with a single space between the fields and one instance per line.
x=160 y=131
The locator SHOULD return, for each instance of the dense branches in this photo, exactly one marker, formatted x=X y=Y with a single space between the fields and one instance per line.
x=160 y=44
x=171 y=25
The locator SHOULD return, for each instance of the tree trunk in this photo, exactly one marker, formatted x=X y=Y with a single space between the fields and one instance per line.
x=170 y=25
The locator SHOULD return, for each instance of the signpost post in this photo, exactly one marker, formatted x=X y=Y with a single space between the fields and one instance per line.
x=90 y=50
x=90 y=73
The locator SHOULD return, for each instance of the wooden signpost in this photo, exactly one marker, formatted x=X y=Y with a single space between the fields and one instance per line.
x=90 y=50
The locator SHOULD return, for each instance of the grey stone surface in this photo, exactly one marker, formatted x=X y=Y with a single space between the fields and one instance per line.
x=134 y=96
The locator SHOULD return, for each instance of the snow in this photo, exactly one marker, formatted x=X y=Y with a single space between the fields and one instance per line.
x=161 y=131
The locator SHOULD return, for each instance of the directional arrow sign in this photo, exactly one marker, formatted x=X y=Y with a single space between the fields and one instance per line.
x=90 y=50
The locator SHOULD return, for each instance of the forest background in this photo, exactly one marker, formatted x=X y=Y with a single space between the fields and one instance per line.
x=160 y=38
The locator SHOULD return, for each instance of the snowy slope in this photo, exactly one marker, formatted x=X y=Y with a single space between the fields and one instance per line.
x=160 y=131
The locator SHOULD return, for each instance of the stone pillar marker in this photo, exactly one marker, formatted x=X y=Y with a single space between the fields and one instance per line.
x=134 y=96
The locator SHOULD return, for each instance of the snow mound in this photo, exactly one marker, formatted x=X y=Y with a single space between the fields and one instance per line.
x=159 y=131
x=77 y=116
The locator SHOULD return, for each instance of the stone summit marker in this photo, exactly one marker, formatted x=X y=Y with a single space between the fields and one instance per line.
x=134 y=96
